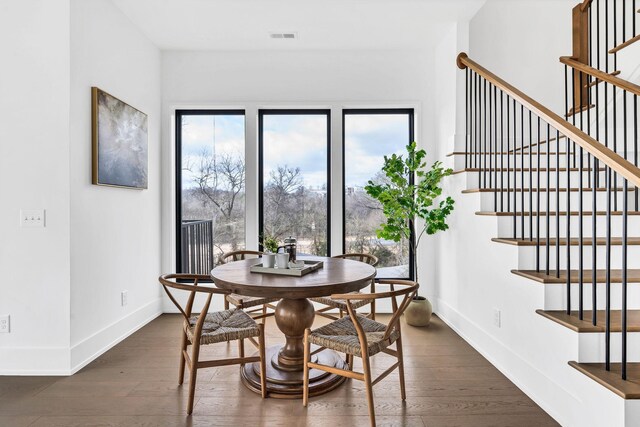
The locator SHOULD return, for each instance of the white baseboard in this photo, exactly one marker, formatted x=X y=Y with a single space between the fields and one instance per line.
x=460 y=323
x=30 y=361
x=93 y=346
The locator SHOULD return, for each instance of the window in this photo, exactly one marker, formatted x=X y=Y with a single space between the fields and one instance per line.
x=294 y=177
x=369 y=135
x=210 y=187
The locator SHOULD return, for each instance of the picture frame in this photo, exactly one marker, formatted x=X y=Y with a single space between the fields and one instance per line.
x=120 y=144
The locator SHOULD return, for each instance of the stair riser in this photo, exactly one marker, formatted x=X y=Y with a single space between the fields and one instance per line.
x=505 y=226
x=503 y=163
x=573 y=161
x=556 y=296
x=592 y=347
x=508 y=180
x=505 y=201
x=527 y=257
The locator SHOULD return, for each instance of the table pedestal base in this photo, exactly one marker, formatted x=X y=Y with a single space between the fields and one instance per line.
x=286 y=383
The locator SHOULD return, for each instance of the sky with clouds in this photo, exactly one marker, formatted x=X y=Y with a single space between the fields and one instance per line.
x=368 y=138
x=300 y=141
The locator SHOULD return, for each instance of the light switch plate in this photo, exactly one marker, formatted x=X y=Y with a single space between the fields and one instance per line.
x=4 y=324
x=124 y=298
x=497 y=318
x=32 y=218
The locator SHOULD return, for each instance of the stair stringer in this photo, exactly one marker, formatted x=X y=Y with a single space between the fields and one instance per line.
x=474 y=279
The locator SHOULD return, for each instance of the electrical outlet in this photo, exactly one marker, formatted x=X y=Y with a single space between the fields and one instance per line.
x=497 y=321
x=32 y=218
x=4 y=324
x=124 y=298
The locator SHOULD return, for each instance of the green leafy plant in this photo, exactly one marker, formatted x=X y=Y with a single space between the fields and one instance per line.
x=403 y=201
x=270 y=243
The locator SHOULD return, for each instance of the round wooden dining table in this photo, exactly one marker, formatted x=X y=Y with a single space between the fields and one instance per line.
x=294 y=313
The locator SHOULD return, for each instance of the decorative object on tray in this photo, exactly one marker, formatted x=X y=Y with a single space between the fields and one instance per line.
x=403 y=201
x=290 y=247
x=269 y=260
x=299 y=270
x=269 y=243
x=282 y=261
x=120 y=142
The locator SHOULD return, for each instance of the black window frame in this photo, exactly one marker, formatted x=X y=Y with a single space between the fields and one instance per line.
x=179 y=114
x=410 y=112
x=289 y=112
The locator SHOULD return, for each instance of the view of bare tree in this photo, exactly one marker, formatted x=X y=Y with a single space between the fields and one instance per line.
x=217 y=196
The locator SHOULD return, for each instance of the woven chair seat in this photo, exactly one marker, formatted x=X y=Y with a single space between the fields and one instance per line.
x=222 y=326
x=246 y=302
x=341 y=335
x=340 y=303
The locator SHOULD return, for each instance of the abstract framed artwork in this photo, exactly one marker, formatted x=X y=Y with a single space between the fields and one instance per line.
x=120 y=142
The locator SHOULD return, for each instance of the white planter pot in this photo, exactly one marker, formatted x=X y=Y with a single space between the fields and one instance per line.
x=419 y=312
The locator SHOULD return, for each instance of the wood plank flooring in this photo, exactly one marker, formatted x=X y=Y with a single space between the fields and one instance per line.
x=135 y=384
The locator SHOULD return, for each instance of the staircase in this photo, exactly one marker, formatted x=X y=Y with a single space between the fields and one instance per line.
x=564 y=193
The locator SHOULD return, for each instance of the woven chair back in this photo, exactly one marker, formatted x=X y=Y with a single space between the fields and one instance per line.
x=405 y=289
x=368 y=258
x=237 y=256
x=189 y=283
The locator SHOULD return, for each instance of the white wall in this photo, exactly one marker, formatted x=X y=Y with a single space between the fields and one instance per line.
x=257 y=79
x=115 y=233
x=34 y=174
x=522 y=42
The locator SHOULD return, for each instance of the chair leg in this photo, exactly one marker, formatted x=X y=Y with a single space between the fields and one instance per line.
x=369 y=388
x=193 y=375
x=264 y=313
x=403 y=392
x=226 y=303
x=305 y=371
x=263 y=363
x=241 y=349
x=350 y=361
x=373 y=310
x=341 y=315
x=183 y=347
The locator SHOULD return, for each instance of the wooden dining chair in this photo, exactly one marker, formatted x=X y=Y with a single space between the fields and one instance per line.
x=362 y=337
x=256 y=307
x=210 y=328
x=341 y=305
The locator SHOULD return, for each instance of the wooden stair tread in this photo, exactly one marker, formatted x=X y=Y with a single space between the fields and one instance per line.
x=574 y=323
x=535 y=190
x=524 y=170
x=518 y=149
x=633 y=276
x=587 y=241
x=500 y=153
x=625 y=44
x=553 y=213
x=629 y=389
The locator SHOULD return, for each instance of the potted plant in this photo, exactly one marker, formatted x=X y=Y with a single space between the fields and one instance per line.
x=403 y=201
x=270 y=243
x=270 y=246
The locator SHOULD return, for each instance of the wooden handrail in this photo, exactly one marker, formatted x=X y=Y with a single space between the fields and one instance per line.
x=601 y=75
x=616 y=162
x=585 y=5
x=621 y=46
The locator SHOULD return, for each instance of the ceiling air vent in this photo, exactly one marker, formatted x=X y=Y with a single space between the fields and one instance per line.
x=282 y=35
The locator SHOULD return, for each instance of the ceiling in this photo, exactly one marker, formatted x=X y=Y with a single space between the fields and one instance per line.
x=320 y=24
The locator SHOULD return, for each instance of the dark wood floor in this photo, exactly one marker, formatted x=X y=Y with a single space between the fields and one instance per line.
x=134 y=384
